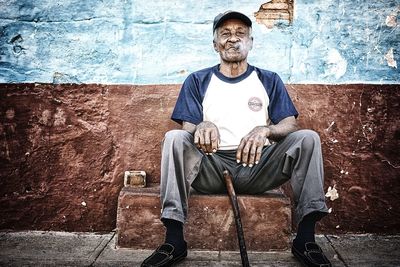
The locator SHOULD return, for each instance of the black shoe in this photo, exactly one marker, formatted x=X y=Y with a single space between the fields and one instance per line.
x=313 y=256
x=163 y=256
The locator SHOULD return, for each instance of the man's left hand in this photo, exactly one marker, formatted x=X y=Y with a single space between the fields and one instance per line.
x=250 y=147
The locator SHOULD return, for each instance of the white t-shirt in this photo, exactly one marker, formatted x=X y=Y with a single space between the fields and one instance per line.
x=235 y=105
x=235 y=108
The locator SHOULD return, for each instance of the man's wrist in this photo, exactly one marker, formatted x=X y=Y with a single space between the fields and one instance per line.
x=266 y=130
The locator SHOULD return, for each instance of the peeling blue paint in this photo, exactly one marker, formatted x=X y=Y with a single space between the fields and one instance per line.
x=159 y=42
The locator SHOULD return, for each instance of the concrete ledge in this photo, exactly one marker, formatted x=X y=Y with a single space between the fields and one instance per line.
x=266 y=221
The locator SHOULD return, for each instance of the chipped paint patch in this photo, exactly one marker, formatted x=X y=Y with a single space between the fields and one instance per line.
x=391 y=20
x=336 y=64
x=59 y=117
x=46 y=117
x=332 y=193
x=389 y=56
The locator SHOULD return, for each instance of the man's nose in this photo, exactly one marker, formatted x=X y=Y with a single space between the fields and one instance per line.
x=233 y=38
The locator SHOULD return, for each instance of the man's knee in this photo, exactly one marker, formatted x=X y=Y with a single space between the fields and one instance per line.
x=176 y=135
x=310 y=135
x=309 y=138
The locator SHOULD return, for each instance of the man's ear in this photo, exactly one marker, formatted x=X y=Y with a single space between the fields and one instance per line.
x=251 y=44
x=215 y=46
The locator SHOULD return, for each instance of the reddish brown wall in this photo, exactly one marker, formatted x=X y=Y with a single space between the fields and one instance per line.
x=64 y=148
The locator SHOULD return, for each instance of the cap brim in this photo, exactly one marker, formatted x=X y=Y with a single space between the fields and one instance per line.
x=233 y=15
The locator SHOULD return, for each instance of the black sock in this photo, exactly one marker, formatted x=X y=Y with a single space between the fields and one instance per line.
x=174 y=235
x=306 y=230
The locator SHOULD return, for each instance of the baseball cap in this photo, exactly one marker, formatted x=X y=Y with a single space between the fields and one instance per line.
x=220 y=18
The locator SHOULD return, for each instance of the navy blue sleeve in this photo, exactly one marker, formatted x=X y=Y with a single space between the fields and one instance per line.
x=280 y=104
x=188 y=107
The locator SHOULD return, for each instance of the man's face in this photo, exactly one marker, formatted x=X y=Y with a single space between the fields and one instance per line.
x=232 y=40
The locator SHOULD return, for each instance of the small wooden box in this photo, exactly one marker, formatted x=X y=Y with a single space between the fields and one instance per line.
x=135 y=178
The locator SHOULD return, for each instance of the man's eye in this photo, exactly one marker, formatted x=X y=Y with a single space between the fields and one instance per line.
x=225 y=34
x=241 y=34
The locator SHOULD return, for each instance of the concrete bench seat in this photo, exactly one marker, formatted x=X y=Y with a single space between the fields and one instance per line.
x=266 y=220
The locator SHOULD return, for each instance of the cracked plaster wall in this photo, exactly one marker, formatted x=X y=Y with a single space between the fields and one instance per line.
x=64 y=150
x=160 y=42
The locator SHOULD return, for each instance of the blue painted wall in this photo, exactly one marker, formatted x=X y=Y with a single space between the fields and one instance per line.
x=159 y=42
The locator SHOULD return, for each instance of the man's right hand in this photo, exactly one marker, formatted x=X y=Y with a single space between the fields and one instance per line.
x=206 y=137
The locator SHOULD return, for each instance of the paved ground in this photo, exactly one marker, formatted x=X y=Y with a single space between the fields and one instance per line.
x=89 y=249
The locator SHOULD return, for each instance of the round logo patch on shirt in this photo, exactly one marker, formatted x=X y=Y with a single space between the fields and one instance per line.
x=255 y=104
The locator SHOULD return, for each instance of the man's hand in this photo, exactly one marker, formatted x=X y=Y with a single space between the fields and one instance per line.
x=250 y=147
x=206 y=137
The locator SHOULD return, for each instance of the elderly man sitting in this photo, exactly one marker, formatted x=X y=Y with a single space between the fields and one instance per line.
x=239 y=118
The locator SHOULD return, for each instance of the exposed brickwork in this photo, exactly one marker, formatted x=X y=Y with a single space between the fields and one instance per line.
x=275 y=11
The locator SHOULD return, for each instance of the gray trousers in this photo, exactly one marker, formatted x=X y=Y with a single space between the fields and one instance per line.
x=296 y=158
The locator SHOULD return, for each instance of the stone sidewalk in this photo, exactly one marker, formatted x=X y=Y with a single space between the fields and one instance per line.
x=36 y=248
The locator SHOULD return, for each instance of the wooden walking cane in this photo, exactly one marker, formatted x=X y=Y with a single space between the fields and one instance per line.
x=238 y=222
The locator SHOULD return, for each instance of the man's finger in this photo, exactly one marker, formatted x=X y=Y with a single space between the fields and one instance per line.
x=201 y=140
x=245 y=153
x=214 y=141
x=258 y=154
x=239 y=150
x=197 y=138
x=210 y=141
x=252 y=155
x=205 y=141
